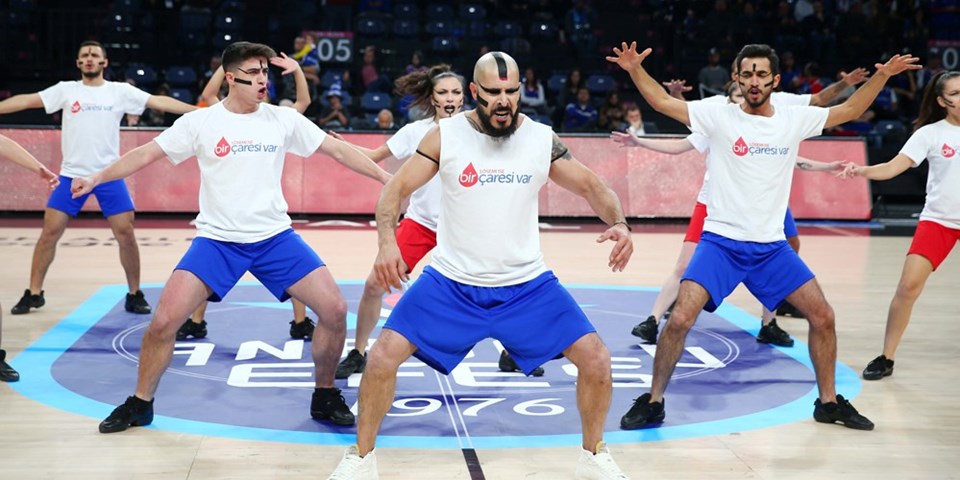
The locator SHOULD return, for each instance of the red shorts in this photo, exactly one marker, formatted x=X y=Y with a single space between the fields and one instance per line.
x=414 y=241
x=695 y=230
x=933 y=241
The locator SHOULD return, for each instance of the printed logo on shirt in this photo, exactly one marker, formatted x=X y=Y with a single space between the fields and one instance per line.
x=77 y=107
x=947 y=151
x=742 y=148
x=485 y=176
x=225 y=148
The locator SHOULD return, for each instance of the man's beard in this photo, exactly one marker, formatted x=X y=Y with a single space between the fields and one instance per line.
x=490 y=129
x=763 y=98
x=92 y=74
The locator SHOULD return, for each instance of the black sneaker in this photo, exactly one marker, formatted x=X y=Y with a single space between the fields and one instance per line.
x=328 y=404
x=303 y=329
x=786 y=309
x=28 y=301
x=190 y=329
x=133 y=413
x=7 y=373
x=136 y=303
x=772 y=333
x=840 y=411
x=878 y=368
x=643 y=413
x=647 y=330
x=354 y=363
x=508 y=365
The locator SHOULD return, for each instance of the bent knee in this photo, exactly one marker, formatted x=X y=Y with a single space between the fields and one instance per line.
x=822 y=317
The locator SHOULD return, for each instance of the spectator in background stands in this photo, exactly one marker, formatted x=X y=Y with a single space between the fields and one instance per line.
x=385 y=120
x=931 y=68
x=567 y=94
x=334 y=115
x=304 y=52
x=581 y=115
x=713 y=76
x=578 y=25
x=788 y=72
x=634 y=121
x=416 y=63
x=532 y=98
x=809 y=81
x=370 y=76
x=611 y=114
x=821 y=39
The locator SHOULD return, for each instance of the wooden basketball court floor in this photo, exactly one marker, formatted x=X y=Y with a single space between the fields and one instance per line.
x=918 y=422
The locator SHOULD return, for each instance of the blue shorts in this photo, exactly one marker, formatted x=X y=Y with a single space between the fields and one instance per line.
x=771 y=271
x=278 y=262
x=789 y=226
x=112 y=196
x=535 y=321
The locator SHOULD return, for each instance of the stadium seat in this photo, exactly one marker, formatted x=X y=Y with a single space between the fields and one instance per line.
x=599 y=84
x=182 y=94
x=144 y=76
x=473 y=11
x=373 y=102
x=180 y=76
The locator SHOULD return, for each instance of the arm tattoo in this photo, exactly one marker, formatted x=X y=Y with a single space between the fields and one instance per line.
x=559 y=151
x=804 y=165
x=475 y=124
x=829 y=94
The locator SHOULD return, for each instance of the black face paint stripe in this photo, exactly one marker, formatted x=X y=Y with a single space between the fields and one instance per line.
x=481 y=101
x=501 y=65
x=242 y=81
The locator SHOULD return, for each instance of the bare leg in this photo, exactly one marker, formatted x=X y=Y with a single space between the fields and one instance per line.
x=916 y=271
x=299 y=311
x=823 y=336
x=200 y=313
x=690 y=301
x=368 y=313
x=181 y=295
x=671 y=286
x=122 y=225
x=594 y=386
x=319 y=291
x=54 y=223
x=378 y=385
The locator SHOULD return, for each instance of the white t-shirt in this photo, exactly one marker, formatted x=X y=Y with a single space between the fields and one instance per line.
x=489 y=234
x=939 y=144
x=90 y=139
x=702 y=143
x=777 y=98
x=424 y=205
x=241 y=163
x=750 y=164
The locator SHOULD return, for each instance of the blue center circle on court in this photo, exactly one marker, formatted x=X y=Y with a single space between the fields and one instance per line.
x=248 y=379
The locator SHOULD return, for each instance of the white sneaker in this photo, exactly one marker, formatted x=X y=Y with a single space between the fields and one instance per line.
x=355 y=467
x=599 y=466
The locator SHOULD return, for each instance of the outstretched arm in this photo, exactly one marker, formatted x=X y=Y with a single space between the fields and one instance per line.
x=351 y=158
x=212 y=89
x=811 y=165
x=672 y=147
x=572 y=175
x=628 y=59
x=133 y=161
x=880 y=171
x=378 y=155
x=677 y=88
x=164 y=103
x=289 y=66
x=21 y=102
x=858 y=103
x=826 y=96
x=15 y=153
x=413 y=174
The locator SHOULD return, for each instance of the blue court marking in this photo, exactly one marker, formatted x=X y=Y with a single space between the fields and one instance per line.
x=36 y=363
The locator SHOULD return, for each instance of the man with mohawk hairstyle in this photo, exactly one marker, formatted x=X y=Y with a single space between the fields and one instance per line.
x=487 y=277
